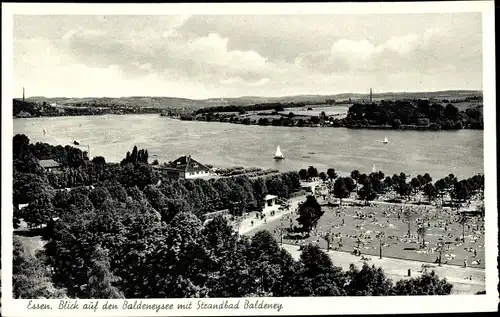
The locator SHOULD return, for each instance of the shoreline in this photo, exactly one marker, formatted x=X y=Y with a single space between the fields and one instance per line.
x=381 y=127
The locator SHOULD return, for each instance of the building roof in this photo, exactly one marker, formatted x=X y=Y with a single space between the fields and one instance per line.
x=49 y=163
x=188 y=165
x=268 y=197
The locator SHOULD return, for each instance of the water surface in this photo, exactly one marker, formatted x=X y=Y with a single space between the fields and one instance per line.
x=223 y=144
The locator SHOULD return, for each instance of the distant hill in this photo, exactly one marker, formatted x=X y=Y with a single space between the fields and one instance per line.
x=173 y=102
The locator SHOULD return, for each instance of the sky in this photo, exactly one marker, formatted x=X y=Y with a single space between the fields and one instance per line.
x=216 y=56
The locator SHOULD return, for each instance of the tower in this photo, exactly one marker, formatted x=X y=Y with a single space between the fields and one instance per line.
x=371 y=99
x=23 y=94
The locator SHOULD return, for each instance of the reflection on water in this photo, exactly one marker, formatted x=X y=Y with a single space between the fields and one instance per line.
x=224 y=144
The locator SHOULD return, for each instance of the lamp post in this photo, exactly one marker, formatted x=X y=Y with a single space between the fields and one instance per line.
x=380 y=237
x=281 y=231
x=440 y=250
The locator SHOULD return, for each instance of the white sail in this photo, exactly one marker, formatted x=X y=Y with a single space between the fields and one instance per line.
x=385 y=140
x=278 y=152
x=374 y=170
x=44 y=131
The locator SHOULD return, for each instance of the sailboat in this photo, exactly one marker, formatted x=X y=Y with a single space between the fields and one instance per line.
x=44 y=131
x=374 y=170
x=386 y=141
x=278 y=155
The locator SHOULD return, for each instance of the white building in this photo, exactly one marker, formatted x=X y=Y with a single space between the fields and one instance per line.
x=270 y=204
x=186 y=167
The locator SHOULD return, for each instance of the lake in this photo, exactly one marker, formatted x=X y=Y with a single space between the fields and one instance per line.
x=224 y=144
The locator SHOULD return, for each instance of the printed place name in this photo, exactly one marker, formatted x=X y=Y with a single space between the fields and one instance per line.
x=248 y=304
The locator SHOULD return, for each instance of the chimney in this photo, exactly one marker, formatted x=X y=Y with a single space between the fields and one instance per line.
x=23 y=94
x=371 y=95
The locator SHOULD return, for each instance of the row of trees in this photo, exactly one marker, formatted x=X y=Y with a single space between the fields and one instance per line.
x=26 y=155
x=377 y=183
x=276 y=106
x=419 y=113
x=237 y=194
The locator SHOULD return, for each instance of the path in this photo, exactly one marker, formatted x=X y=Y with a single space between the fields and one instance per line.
x=246 y=225
x=397 y=269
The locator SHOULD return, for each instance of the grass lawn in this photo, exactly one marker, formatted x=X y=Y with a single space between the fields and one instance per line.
x=30 y=238
x=365 y=222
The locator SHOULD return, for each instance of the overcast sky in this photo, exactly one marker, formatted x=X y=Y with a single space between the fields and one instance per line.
x=231 y=56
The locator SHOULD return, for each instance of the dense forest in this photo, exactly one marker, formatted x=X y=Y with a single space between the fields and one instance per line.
x=419 y=113
x=119 y=232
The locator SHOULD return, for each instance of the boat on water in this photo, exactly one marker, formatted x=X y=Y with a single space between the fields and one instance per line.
x=374 y=170
x=312 y=153
x=385 y=140
x=278 y=155
x=44 y=131
x=75 y=142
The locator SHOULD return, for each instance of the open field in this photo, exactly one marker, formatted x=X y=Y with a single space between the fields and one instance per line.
x=316 y=111
x=348 y=224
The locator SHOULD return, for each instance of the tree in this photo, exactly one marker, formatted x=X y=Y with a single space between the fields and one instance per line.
x=39 y=211
x=363 y=179
x=388 y=182
x=331 y=173
x=98 y=196
x=328 y=237
x=369 y=281
x=101 y=278
x=309 y=213
x=30 y=278
x=316 y=275
x=408 y=217
x=303 y=174
x=355 y=175
x=340 y=189
x=415 y=183
x=20 y=145
x=312 y=172
x=402 y=188
x=426 y=284
x=441 y=186
x=430 y=191
x=99 y=160
x=16 y=215
x=460 y=191
x=323 y=176
x=427 y=178
x=367 y=193
x=349 y=183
